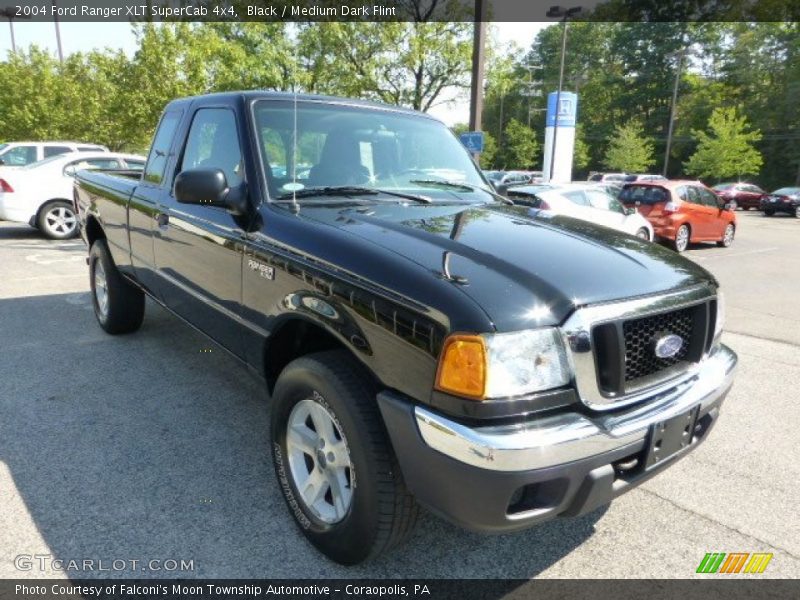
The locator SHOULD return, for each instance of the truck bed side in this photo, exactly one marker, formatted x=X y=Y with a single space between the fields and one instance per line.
x=102 y=200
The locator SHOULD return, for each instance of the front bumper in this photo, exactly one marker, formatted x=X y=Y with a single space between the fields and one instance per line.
x=509 y=477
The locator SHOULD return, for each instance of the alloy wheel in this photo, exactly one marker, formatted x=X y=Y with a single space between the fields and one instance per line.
x=60 y=221
x=319 y=461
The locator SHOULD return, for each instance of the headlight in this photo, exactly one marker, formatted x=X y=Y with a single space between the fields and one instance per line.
x=720 y=316
x=503 y=365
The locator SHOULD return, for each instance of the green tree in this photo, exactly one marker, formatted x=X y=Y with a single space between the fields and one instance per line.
x=580 y=155
x=630 y=150
x=520 y=148
x=727 y=150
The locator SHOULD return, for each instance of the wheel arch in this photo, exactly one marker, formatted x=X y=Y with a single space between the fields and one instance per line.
x=298 y=336
x=93 y=230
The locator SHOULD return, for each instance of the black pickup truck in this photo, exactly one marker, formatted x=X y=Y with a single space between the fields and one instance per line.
x=424 y=340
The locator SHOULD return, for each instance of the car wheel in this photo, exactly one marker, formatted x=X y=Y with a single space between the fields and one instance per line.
x=681 y=238
x=58 y=221
x=727 y=237
x=769 y=213
x=797 y=212
x=118 y=304
x=334 y=462
x=642 y=233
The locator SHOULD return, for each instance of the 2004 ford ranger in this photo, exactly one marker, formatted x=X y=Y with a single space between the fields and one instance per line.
x=424 y=340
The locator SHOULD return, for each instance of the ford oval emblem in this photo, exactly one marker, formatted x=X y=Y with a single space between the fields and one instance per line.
x=668 y=346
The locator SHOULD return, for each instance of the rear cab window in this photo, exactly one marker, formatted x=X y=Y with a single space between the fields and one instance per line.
x=159 y=154
x=56 y=150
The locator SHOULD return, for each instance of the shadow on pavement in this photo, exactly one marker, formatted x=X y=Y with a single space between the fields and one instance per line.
x=146 y=447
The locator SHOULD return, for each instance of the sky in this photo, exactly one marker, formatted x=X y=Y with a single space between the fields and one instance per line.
x=81 y=37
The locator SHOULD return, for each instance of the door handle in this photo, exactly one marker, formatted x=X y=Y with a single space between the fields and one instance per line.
x=162 y=219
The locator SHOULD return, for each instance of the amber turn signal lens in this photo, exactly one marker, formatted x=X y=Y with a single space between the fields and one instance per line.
x=462 y=367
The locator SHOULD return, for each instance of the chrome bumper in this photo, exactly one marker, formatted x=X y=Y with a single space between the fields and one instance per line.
x=564 y=438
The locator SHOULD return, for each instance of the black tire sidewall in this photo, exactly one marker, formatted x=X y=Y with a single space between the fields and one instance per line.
x=349 y=541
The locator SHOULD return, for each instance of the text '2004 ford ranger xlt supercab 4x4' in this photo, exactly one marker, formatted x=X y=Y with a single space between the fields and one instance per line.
x=424 y=340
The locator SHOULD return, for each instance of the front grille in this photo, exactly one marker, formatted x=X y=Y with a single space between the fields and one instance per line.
x=625 y=355
x=640 y=338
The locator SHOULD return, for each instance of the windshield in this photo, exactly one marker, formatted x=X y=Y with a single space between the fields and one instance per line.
x=338 y=145
x=646 y=194
x=787 y=191
x=46 y=161
x=724 y=186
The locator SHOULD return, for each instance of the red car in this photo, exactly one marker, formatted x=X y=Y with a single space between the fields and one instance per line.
x=682 y=212
x=746 y=195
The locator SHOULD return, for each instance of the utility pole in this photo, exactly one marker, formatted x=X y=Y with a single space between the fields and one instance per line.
x=680 y=54
x=478 y=57
x=564 y=15
x=58 y=33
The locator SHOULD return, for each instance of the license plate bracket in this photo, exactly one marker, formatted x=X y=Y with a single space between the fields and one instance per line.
x=671 y=436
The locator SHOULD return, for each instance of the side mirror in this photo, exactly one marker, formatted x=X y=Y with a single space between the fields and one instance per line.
x=207 y=187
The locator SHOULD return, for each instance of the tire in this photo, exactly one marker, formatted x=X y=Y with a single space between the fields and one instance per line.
x=797 y=212
x=329 y=391
x=769 y=213
x=118 y=305
x=57 y=220
x=727 y=236
x=682 y=237
x=643 y=234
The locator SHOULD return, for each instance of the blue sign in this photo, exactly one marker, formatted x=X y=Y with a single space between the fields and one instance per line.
x=567 y=110
x=473 y=141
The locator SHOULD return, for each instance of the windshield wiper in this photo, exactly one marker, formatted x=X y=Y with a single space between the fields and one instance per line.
x=350 y=190
x=462 y=186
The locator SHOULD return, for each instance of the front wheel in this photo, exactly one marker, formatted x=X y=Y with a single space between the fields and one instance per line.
x=681 y=241
x=118 y=305
x=57 y=220
x=769 y=213
x=334 y=462
x=643 y=234
x=727 y=237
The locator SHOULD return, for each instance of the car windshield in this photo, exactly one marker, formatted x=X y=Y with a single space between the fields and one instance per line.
x=645 y=194
x=787 y=191
x=46 y=161
x=312 y=145
x=724 y=186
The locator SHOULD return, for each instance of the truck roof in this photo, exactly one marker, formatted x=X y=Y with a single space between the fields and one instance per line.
x=274 y=95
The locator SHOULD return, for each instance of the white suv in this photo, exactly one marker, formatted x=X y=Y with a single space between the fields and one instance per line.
x=20 y=154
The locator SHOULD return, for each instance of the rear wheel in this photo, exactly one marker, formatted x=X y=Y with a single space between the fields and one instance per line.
x=57 y=220
x=643 y=234
x=334 y=462
x=727 y=237
x=681 y=241
x=768 y=213
x=118 y=305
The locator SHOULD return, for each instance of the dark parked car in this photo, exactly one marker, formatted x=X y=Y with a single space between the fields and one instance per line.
x=746 y=195
x=423 y=340
x=785 y=200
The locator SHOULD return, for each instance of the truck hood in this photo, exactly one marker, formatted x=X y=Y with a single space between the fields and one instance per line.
x=524 y=267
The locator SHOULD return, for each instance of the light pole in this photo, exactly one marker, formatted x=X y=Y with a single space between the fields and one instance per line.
x=10 y=14
x=680 y=54
x=559 y=12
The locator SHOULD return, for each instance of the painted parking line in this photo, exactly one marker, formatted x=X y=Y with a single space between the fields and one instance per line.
x=733 y=254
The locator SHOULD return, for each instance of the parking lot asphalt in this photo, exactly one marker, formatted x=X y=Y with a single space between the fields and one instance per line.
x=151 y=447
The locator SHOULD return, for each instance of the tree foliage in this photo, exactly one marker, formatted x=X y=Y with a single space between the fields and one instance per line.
x=629 y=151
x=727 y=150
x=520 y=149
